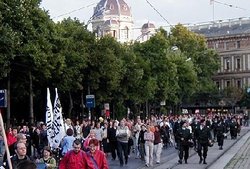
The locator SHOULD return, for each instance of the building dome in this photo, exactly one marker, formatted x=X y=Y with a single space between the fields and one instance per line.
x=148 y=26
x=111 y=7
x=110 y=22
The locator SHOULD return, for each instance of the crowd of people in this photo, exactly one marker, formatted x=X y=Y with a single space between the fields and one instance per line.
x=87 y=144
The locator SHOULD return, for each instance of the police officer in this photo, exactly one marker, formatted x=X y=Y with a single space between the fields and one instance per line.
x=204 y=137
x=220 y=128
x=185 y=136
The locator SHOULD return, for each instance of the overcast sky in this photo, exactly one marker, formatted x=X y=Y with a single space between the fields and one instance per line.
x=174 y=11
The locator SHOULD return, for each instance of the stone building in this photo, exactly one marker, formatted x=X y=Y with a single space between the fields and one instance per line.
x=113 y=17
x=231 y=39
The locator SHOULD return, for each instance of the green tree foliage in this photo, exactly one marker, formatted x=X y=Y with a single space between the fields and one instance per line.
x=73 y=46
x=194 y=46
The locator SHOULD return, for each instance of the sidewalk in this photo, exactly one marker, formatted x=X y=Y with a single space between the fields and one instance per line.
x=213 y=155
x=237 y=157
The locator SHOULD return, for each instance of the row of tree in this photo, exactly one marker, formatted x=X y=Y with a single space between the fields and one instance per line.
x=36 y=53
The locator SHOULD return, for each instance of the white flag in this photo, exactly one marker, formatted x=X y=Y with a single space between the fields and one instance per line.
x=58 y=127
x=49 y=118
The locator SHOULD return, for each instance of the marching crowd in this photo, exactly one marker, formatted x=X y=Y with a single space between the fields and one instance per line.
x=87 y=144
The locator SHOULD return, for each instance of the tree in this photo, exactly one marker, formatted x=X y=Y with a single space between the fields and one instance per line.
x=73 y=45
x=194 y=46
x=32 y=56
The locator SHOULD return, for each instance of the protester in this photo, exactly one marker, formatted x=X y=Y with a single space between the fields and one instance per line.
x=26 y=164
x=149 y=146
x=74 y=159
x=47 y=158
x=95 y=159
x=157 y=144
x=122 y=134
x=67 y=141
x=21 y=151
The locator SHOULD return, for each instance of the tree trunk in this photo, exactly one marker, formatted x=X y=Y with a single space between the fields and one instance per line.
x=8 y=102
x=31 y=99
x=70 y=105
x=82 y=104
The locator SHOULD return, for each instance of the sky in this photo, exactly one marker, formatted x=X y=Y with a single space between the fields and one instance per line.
x=188 y=12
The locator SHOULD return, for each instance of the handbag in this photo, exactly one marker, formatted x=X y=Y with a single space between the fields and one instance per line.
x=210 y=143
x=191 y=144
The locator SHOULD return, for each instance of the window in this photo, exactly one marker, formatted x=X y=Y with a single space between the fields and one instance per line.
x=226 y=45
x=228 y=83
x=114 y=33
x=238 y=44
x=111 y=7
x=239 y=83
x=125 y=32
x=227 y=64
x=238 y=63
x=218 y=85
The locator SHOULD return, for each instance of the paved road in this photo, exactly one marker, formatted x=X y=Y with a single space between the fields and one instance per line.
x=235 y=155
x=170 y=157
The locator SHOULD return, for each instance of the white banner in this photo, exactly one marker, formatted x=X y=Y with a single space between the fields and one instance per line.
x=58 y=127
x=49 y=118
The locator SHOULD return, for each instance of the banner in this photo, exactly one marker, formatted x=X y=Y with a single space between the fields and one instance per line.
x=58 y=125
x=49 y=118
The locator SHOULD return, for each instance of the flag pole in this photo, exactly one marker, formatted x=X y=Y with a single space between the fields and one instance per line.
x=5 y=141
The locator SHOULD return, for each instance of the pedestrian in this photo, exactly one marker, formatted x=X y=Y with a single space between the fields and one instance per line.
x=149 y=146
x=157 y=144
x=122 y=135
x=204 y=137
x=26 y=164
x=141 y=142
x=21 y=155
x=220 y=129
x=95 y=159
x=112 y=141
x=185 y=136
x=74 y=159
x=47 y=158
x=67 y=141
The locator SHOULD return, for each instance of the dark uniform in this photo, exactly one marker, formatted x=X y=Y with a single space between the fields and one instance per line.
x=233 y=129
x=220 y=129
x=184 y=136
x=203 y=136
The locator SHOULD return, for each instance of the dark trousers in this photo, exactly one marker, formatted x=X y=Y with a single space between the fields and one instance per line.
x=122 y=149
x=113 y=148
x=183 y=150
x=202 y=150
x=220 y=139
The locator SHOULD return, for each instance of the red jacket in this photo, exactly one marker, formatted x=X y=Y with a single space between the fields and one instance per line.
x=71 y=160
x=100 y=159
x=11 y=139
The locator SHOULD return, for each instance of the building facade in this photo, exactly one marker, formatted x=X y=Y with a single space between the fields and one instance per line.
x=113 y=17
x=231 y=39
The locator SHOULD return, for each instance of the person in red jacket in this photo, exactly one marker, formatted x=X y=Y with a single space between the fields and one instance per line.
x=95 y=158
x=74 y=159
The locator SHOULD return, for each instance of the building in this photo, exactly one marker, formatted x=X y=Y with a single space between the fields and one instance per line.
x=148 y=29
x=231 y=39
x=113 y=17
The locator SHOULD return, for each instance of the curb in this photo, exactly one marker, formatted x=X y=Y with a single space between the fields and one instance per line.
x=226 y=150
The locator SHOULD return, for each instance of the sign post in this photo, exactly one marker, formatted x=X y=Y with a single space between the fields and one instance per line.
x=3 y=98
x=3 y=104
x=90 y=103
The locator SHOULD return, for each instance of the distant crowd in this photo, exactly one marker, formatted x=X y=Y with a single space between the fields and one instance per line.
x=88 y=144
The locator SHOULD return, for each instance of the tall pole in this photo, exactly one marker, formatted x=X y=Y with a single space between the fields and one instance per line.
x=31 y=99
x=8 y=101
x=5 y=141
